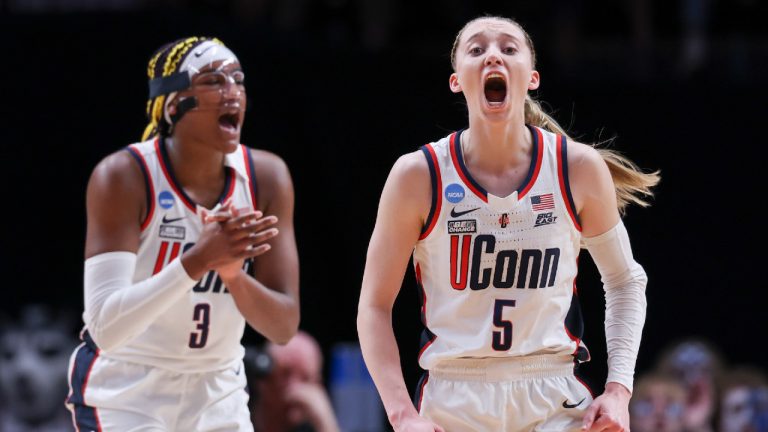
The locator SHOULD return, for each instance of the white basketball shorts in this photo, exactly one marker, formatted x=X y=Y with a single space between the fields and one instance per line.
x=534 y=393
x=111 y=395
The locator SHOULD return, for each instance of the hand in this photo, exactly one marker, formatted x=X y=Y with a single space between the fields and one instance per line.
x=229 y=236
x=609 y=412
x=310 y=402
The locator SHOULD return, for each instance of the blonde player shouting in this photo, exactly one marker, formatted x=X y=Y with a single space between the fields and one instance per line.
x=495 y=216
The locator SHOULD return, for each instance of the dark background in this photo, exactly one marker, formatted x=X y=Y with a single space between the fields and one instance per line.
x=341 y=88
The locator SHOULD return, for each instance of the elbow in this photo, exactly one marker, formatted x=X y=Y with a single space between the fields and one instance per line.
x=290 y=326
x=104 y=339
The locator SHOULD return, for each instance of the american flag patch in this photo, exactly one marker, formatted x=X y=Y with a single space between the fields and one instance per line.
x=543 y=202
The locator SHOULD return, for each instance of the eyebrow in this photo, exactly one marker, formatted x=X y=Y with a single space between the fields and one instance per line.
x=480 y=34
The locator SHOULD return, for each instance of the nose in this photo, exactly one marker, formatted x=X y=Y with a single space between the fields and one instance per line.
x=492 y=58
x=231 y=89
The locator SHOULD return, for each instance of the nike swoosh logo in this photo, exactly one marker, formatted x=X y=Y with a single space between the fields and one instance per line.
x=166 y=220
x=199 y=53
x=567 y=405
x=454 y=213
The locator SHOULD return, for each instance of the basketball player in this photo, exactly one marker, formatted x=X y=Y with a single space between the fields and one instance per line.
x=189 y=236
x=495 y=216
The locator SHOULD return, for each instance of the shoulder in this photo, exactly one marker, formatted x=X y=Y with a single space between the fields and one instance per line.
x=594 y=193
x=119 y=170
x=273 y=177
x=408 y=185
x=267 y=162
x=586 y=166
x=411 y=166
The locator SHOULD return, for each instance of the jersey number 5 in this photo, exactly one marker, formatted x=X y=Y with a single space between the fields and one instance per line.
x=202 y=316
x=502 y=340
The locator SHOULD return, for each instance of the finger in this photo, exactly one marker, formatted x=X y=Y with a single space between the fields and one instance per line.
x=256 y=251
x=439 y=429
x=216 y=217
x=263 y=236
x=253 y=240
x=589 y=417
x=604 y=423
x=242 y=221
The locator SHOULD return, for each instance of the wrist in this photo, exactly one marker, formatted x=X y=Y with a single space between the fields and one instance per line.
x=230 y=277
x=398 y=416
x=193 y=265
x=617 y=389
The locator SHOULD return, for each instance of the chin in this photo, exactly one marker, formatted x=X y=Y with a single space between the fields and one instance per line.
x=231 y=146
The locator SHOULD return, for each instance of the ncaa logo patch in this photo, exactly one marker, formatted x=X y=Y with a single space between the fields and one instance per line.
x=454 y=193
x=165 y=199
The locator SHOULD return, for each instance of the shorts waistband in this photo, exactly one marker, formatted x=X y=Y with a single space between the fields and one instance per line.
x=493 y=369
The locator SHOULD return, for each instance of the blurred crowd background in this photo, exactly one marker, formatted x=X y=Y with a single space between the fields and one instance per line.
x=340 y=89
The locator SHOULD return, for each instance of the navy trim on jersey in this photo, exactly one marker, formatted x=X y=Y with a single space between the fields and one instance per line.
x=534 y=159
x=418 y=395
x=228 y=178
x=435 y=192
x=252 y=174
x=476 y=185
x=147 y=181
x=464 y=170
x=574 y=322
x=86 y=418
x=568 y=194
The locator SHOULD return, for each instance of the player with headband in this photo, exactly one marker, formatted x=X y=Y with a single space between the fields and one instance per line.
x=189 y=236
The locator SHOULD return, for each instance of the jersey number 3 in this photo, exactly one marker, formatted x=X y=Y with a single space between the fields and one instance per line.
x=202 y=316
x=502 y=339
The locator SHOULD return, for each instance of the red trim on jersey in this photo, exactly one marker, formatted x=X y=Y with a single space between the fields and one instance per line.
x=150 y=186
x=537 y=168
x=438 y=191
x=457 y=166
x=251 y=178
x=174 y=251
x=85 y=385
x=585 y=385
x=179 y=193
x=564 y=192
x=160 y=258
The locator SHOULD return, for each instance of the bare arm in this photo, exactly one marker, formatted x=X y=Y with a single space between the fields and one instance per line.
x=269 y=300
x=403 y=206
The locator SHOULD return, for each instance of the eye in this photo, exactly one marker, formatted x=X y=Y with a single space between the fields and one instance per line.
x=476 y=50
x=238 y=77
x=510 y=50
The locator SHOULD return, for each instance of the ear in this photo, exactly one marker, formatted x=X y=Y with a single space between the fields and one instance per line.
x=533 y=84
x=453 y=83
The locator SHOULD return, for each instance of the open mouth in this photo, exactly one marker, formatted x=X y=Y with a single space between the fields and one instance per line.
x=229 y=121
x=495 y=89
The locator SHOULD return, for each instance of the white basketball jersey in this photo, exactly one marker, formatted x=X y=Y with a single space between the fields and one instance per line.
x=202 y=331
x=498 y=274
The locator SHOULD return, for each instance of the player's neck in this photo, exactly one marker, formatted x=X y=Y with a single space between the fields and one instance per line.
x=496 y=147
x=194 y=163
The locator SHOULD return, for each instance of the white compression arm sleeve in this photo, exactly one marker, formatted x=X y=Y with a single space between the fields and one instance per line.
x=116 y=309
x=624 y=282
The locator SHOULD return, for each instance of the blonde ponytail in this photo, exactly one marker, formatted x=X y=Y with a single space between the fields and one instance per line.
x=632 y=184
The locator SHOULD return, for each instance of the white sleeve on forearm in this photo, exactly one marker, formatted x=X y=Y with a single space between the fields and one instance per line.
x=624 y=282
x=116 y=309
